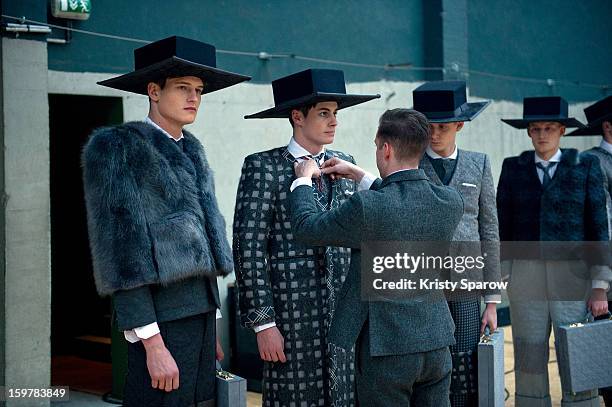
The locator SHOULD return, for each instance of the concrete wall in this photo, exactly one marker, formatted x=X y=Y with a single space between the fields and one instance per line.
x=361 y=31
x=559 y=39
x=228 y=138
x=27 y=302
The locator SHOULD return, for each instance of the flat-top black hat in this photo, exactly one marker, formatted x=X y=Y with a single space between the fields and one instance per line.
x=445 y=102
x=174 y=57
x=544 y=109
x=307 y=87
x=596 y=114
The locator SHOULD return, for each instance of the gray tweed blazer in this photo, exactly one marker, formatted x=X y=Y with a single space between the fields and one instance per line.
x=473 y=180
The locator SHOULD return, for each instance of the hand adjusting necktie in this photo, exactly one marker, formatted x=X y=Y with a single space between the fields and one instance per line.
x=317 y=159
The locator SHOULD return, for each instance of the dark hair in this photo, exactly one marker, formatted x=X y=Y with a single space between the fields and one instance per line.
x=406 y=130
x=304 y=109
x=161 y=82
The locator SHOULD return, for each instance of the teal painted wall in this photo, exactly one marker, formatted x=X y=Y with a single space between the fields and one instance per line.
x=566 y=40
x=385 y=31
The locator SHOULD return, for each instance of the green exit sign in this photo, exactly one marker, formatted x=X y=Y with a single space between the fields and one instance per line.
x=72 y=9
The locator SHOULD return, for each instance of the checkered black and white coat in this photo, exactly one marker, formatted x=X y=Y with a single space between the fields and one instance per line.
x=280 y=280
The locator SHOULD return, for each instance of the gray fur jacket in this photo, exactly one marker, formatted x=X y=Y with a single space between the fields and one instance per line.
x=151 y=209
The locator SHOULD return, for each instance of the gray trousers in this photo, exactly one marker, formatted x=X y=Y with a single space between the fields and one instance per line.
x=191 y=342
x=536 y=305
x=414 y=379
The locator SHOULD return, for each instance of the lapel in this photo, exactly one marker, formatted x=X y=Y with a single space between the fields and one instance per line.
x=336 y=185
x=569 y=159
x=461 y=167
x=288 y=161
x=429 y=170
x=527 y=161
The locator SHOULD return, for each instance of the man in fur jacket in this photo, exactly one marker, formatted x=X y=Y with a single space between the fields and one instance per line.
x=156 y=234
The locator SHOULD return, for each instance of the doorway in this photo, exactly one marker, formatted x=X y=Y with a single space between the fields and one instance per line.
x=80 y=319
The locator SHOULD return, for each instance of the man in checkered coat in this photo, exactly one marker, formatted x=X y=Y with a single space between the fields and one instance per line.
x=287 y=290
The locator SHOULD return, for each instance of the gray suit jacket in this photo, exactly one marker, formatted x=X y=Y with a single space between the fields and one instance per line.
x=473 y=179
x=391 y=213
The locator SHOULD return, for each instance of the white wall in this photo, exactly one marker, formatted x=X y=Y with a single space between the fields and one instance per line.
x=228 y=138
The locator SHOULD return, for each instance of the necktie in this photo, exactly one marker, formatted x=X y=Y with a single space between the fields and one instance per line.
x=320 y=185
x=546 y=179
x=444 y=167
x=180 y=144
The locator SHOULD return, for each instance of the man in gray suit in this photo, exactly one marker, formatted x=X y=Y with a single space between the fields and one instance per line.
x=402 y=345
x=599 y=116
x=445 y=105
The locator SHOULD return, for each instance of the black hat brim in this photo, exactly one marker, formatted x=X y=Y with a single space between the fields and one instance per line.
x=137 y=81
x=593 y=128
x=283 y=110
x=524 y=123
x=469 y=113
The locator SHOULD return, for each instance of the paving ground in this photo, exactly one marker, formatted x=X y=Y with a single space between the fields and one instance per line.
x=254 y=399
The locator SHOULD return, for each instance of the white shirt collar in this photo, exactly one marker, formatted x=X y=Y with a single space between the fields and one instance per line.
x=434 y=155
x=152 y=123
x=606 y=146
x=297 y=150
x=554 y=159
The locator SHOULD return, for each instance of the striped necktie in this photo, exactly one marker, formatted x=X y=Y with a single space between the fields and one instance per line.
x=546 y=179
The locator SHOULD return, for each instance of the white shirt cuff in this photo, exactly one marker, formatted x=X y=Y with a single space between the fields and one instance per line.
x=141 y=332
x=300 y=181
x=219 y=315
x=366 y=182
x=600 y=284
x=264 y=326
x=492 y=299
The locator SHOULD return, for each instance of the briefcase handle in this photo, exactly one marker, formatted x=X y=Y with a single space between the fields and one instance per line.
x=488 y=335
x=222 y=373
x=589 y=319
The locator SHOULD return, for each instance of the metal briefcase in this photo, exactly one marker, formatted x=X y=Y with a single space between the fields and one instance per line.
x=584 y=354
x=231 y=389
x=491 y=370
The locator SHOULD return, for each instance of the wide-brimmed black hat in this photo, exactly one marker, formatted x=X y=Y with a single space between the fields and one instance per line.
x=544 y=109
x=308 y=87
x=446 y=102
x=171 y=58
x=596 y=114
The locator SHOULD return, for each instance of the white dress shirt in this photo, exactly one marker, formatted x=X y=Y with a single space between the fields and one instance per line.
x=436 y=156
x=152 y=329
x=556 y=158
x=297 y=151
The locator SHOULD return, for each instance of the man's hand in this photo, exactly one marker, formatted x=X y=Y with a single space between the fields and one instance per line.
x=307 y=168
x=271 y=345
x=338 y=168
x=219 y=351
x=489 y=317
x=161 y=365
x=598 y=302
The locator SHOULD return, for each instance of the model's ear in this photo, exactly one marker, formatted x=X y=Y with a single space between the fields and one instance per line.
x=153 y=91
x=459 y=126
x=297 y=117
x=387 y=150
x=562 y=130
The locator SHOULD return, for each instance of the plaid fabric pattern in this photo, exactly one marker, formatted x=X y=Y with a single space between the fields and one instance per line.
x=287 y=282
x=464 y=385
